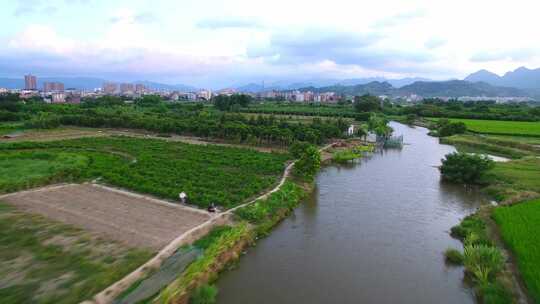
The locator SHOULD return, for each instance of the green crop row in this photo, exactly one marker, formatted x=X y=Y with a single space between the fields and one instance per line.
x=208 y=174
x=520 y=228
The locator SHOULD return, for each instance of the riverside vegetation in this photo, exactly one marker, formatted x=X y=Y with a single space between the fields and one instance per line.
x=252 y=221
x=513 y=184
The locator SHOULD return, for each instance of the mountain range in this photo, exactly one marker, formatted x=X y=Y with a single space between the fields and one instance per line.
x=522 y=78
x=318 y=83
x=450 y=88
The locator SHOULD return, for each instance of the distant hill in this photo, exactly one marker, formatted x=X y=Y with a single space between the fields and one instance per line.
x=451 y=88
x=457 y=88
x=324 y=83
x=373 y=88
x=86 y=83
x=167 y=87
x=522 y=78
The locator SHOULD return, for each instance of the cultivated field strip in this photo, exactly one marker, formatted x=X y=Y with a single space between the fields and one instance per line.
x=109 y=294
x=135 y=221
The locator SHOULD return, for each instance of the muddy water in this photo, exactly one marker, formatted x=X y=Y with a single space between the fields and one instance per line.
x=372 y=232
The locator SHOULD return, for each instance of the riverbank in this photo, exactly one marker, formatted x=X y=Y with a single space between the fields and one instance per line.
x=248 y=222
x=371 y=230
x=510 y=183
x=251 y=223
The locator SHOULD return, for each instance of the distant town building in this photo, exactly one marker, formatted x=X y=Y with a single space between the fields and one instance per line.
x=127 y=88
x=53 y=87
x=110 y=88
x=204 y=94
x=30 y=82
x=58 y=97
x=139 y=88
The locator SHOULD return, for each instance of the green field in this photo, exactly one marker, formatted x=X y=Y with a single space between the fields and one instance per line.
x=208 y=174
x=515 y=177
x=498 y=127
x=43 y=261
x=520 y=229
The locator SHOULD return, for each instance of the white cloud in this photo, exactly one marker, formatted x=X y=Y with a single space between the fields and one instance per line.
x=281 y=39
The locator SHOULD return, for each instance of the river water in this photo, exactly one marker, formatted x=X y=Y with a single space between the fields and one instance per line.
x=372 y=232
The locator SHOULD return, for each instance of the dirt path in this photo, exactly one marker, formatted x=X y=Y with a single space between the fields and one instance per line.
x=109 y=294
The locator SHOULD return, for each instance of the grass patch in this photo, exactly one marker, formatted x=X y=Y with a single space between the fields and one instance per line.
x=27 y=169
x=478 y=144
x=44 y=262
x=344 y=156
x=501 y=127
x=509 y=179
x=520 y=229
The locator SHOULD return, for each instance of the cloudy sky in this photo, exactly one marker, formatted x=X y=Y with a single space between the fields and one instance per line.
x=211 y=43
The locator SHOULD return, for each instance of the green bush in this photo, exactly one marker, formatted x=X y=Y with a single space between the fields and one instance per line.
x=453 y=256
x=308 y=164
x=205 y=294
x=483 y=262
x=465 y=168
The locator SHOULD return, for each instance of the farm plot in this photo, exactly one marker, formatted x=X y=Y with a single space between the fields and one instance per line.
x=209 y=174
x=46 y=261
x=133 y=220
x=521 y=232
x=499 y=127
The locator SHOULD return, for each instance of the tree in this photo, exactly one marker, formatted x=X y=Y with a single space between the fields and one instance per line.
x=361 y=132
x=465 y=168
x=448 y=128
x=367 y=103
x=309 y=163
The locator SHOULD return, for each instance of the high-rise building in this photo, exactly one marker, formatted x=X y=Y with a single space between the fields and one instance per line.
x=139 y=88
x=30 y=82
x=53 y=87
x=127 y=88
x=110 y=88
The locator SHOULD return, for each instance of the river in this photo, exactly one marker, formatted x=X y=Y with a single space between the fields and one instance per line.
x=371 y=232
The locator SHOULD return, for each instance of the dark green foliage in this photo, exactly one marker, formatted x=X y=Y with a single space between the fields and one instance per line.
x=44 y=120
x=453 y=256
x=149 y=101
x=465 y=168
x=367 y=103
x=308 y=164
x=226 y=103
x=150 y=113
x=298 y=148
x=447 y=128
x=205 y=294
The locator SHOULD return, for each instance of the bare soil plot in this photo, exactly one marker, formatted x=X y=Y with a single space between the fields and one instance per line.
x=131 y=219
